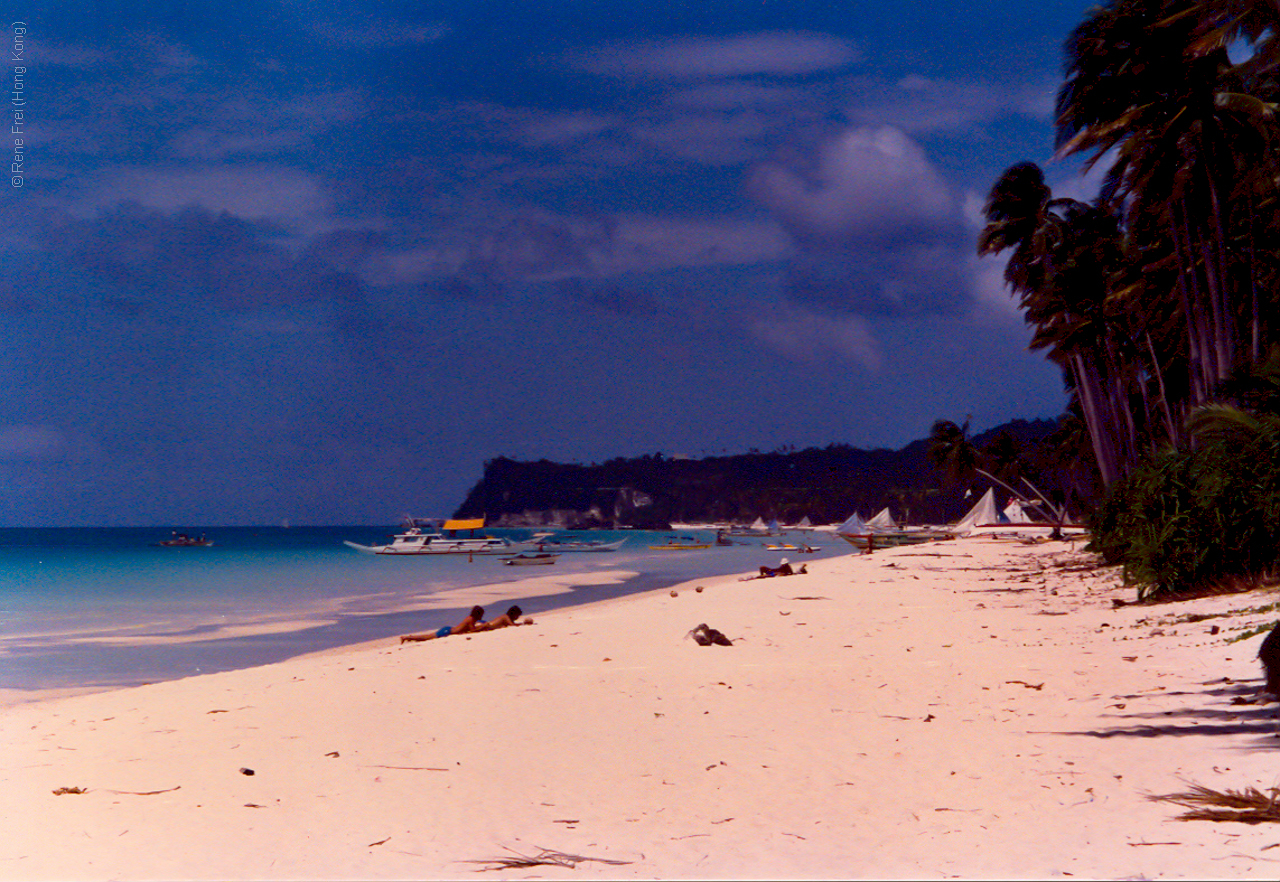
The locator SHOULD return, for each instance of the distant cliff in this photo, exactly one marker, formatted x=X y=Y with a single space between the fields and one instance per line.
x=825 y=485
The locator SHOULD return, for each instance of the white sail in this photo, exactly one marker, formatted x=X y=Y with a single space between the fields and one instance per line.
x=1016 y=512
x=883 y=521
x=985 y=512
x=854 y=526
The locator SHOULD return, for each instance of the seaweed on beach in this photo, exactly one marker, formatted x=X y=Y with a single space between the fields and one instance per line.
x=1248 y=806
x=545 y=857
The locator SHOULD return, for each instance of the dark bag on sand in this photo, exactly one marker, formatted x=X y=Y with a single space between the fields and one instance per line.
x=704 y=636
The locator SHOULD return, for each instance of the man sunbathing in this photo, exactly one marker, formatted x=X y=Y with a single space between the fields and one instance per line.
x=470 y=623
x=782 y=569
x=506 y=620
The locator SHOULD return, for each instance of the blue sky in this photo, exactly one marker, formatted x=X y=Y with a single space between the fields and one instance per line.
x=321 y=261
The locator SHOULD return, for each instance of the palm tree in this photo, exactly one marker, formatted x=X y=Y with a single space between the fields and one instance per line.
x=953 y=453
x=1151 y=86
x=1064 y=255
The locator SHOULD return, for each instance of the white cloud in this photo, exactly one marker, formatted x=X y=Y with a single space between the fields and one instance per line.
x=806 y=336
x=255 y=193
x=646 y=243
x=27 y=443
x=866 y=182
x=778 y=53
x=559 y=129
x=918 y=104
x=548 y=248
x=65 y=55
x=375 y=34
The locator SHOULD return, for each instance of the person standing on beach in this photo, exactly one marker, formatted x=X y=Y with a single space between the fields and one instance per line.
x=468 y=624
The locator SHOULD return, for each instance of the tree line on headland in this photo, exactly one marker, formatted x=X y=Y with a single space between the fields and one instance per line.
x=923 y=482
x=1159 y=297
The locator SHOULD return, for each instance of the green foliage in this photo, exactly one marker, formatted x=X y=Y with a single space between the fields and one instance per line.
x=1188 y=521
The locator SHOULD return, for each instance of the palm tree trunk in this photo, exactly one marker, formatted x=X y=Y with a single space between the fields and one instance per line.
x=1158 y=373
x=1094 y=419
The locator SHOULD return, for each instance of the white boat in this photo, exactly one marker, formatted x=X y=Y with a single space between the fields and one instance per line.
x=547 y=542
x=414 y=540
x=530 y=560
x=182 y=540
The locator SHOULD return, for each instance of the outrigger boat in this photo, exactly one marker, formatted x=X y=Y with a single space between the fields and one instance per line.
x=683 y=544
x=435 y=541
x=182 y=540
x=530 y=560
x=798 y=549
x=882 y=532
x=544 y=542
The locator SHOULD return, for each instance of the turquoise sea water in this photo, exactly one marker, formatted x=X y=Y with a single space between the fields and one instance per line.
x=105 y=606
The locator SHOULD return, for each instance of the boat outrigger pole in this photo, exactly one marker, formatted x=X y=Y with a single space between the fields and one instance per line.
x=1059 y=514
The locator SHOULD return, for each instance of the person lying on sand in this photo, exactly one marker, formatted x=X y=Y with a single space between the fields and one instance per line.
x=506 y=620
x=782 y=569
x=470 y=623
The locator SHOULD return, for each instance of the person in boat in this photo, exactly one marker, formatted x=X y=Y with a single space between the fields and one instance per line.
x=506 y=620
x=471 y=623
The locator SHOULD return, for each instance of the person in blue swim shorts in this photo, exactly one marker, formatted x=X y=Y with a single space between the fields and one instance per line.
x=465 y=626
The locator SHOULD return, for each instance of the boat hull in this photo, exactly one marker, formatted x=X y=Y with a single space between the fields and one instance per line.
x=872 y=541
x=530 y=560
x=435 y=548
x=577 y=547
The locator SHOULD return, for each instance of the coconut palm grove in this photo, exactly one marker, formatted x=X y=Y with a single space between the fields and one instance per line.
x=1159 y=297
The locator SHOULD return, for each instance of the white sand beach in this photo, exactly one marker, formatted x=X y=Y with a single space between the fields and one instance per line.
x=974 y=709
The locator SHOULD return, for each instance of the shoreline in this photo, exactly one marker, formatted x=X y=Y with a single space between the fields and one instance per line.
x=336 y=632
x=976 y=708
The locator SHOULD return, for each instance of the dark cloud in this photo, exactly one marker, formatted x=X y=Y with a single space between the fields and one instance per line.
x=611 y=297
x=196 y=254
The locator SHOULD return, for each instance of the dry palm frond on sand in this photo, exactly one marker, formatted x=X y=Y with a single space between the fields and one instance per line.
x=1248 y=806
x=544 y=858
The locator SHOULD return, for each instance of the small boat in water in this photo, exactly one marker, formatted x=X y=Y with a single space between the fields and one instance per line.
x=547 y=542
x=435 y=540
x=182 y=540
x=685 y=543
x=530 y=560
x=798 y=549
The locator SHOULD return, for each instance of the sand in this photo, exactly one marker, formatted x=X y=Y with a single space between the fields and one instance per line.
x=973 y=709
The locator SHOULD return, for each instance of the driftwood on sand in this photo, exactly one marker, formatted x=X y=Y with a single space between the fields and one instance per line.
x=545 y=857
x=1248 y=806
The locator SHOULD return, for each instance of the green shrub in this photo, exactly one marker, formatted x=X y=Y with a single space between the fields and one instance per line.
x=1185 y=521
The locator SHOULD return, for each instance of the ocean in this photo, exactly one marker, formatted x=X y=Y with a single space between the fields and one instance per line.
x=107 y=607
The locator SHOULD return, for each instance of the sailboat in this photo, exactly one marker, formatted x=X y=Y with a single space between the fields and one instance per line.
x=882 y=531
